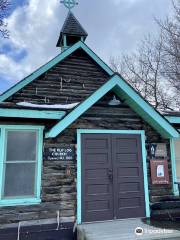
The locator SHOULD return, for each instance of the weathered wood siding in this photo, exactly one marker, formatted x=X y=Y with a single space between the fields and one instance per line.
x=102 y=116
x=71 y=80
x=58 y=189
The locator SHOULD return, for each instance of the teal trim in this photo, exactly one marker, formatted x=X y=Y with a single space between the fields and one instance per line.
x=28 y=113
x=19 y=202
x=52 y=63
x=78 y=177
x=146 y=188
x=79 y=170
x=173 y=119
x=173 y=165
x=22 y=127
x=98 y=131
x=131 y=97
x=3 y=141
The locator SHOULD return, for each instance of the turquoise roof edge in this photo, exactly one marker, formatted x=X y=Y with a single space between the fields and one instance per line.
x=173 y=119
x=29 y=113
x=143 y=109
x=52 y=63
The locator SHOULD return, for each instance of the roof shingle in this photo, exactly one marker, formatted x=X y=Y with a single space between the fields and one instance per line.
x=72 y=27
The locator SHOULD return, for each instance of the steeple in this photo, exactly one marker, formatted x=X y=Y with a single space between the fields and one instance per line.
x=71 y=32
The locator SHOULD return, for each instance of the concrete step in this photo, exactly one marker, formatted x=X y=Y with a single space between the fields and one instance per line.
x=124 y=230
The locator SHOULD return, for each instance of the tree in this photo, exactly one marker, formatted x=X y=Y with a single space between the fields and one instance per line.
x=4 y=7
x=142 y=69
x=171 y=46
x=154 y=68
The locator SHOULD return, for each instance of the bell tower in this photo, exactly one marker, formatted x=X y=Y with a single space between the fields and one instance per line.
x=72 y=31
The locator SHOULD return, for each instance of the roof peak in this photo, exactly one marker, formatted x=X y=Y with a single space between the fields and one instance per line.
x=71 y=17
x=71 y=32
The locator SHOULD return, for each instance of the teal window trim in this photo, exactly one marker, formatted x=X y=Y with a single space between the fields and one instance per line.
x=94 y=131
x=133 y=99
x=28 y=113
x=173 y=164
x=52 y=63
x=21 y=201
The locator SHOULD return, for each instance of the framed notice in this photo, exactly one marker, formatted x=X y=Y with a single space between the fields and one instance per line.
x=159 y=171
x=64 y=153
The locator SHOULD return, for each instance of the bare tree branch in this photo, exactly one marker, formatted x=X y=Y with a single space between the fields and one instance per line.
x=4 y=8
x=154 y=69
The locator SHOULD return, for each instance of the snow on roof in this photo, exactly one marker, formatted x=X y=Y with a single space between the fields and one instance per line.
x=54 y=106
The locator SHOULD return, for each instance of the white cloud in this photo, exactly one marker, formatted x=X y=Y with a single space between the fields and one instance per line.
x=35 y=28
x=117 y=2
x=114 y=27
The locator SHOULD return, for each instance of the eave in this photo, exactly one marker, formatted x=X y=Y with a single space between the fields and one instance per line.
x=173 y=119
x=33 y=114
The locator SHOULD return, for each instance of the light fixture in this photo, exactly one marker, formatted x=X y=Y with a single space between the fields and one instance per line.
x=114 y=102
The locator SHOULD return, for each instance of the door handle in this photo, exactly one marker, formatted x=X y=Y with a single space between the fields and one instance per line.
x=110 y=174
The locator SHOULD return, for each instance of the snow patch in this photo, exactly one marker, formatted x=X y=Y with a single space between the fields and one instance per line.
x=54 y=106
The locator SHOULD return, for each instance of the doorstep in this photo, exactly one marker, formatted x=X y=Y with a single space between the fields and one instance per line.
x=124 y=230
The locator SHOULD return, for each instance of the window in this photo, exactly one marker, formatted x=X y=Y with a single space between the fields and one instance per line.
x=177 y=157
x=20 y=164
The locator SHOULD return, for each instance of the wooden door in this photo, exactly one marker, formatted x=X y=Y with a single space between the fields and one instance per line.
x=128 y=177
x=97 y=184
x=112 y=177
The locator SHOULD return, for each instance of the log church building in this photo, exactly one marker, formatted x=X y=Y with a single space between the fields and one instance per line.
x=78 y=144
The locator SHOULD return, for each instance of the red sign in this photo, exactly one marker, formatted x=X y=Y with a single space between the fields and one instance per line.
x=159 y=171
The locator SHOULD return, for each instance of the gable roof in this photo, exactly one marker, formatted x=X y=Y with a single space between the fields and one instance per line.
x=130 y=96
x=53 y=62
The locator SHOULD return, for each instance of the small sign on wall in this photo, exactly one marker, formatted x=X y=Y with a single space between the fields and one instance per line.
x=158 y=150
x=64 y=153
x=159 y=171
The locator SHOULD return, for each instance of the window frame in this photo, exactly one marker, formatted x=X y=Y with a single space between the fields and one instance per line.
x=176 y=158
x=3 y=141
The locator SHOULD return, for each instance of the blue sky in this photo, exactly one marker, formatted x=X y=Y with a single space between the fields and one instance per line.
x=115 y=27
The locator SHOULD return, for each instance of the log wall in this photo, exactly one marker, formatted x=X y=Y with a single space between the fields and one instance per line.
x=71 y=80
x=58 y=189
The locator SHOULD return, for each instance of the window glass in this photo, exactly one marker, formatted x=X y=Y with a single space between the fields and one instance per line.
x=21 y=146
x=20 y=164
x=19 y=180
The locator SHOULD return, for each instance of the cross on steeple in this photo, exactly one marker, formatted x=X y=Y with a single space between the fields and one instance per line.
x=72 y=31
x=69 y=3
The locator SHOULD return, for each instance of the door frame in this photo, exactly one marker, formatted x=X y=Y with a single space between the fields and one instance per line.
x=94 y=131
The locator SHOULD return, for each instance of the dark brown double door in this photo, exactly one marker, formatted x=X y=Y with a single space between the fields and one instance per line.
x=112 y=177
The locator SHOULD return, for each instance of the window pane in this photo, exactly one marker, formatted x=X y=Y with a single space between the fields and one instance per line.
x=21 y=146
x=19 y=179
